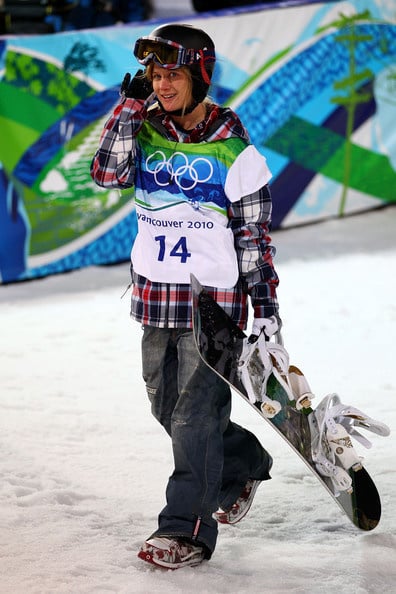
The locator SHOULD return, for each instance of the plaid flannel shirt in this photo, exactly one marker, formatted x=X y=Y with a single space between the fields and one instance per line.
x=169 y=305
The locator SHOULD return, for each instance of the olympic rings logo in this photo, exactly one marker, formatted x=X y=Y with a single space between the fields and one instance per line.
x=185 y=175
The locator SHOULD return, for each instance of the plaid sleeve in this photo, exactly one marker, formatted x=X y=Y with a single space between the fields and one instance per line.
x=250 y=219
x=113 y=162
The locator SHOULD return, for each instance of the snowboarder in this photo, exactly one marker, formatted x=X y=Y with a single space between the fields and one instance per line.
x=204 y=207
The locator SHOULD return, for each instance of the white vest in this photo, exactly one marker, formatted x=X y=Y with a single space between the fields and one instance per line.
x=181 y=205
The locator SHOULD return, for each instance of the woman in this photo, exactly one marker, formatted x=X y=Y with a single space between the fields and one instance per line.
x=203 y=207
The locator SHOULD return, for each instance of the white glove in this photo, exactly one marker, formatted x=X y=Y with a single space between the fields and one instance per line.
x=269 y=326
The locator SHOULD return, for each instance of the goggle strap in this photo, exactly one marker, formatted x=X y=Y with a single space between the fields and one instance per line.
x=204 y=74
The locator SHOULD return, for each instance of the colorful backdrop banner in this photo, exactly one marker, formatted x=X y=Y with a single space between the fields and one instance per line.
x=315 y=85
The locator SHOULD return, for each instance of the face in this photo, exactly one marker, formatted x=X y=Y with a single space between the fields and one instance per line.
x=172 y=87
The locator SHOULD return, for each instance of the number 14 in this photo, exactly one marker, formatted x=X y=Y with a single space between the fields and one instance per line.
x=179 y=250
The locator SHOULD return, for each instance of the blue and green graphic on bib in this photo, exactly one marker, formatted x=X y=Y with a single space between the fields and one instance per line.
x=194 y=172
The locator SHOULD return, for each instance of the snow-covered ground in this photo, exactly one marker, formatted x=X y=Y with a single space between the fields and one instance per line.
x=83 y=464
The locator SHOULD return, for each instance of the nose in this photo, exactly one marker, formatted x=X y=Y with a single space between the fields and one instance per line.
x=165 y=82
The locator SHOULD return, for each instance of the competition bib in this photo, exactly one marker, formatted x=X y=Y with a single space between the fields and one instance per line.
x=174 y=242
x=182 y=195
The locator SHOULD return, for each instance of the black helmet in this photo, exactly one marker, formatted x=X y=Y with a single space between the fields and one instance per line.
x=175 y=45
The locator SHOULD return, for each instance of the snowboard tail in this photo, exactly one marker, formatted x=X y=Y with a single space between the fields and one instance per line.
x=221 y=344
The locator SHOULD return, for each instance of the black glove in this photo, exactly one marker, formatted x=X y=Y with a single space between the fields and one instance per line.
x=138 y=88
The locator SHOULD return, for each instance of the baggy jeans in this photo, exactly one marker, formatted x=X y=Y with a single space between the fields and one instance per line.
x=213 y=457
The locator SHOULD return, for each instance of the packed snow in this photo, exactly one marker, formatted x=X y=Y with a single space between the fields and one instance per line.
x=84 y=465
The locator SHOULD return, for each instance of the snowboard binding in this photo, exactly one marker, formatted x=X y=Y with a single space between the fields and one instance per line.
x=332 y=426
x=332 y=423
x=259 y=359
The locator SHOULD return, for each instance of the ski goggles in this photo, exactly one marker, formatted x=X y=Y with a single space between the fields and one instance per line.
x=168 y=54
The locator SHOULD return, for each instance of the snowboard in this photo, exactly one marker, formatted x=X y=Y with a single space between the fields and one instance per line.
x=220 y=343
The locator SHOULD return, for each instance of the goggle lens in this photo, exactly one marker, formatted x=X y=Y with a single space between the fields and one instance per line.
x=147 y=50
x=166 y=53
